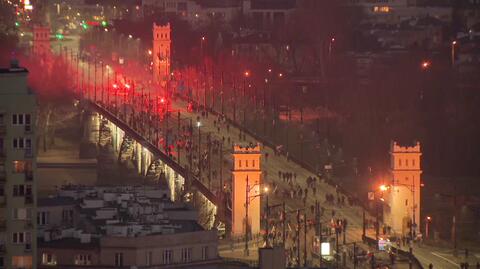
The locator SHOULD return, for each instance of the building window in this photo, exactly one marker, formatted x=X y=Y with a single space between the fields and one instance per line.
x=186 y=254
x=42 y=218
x=119 y=259
x=18 y=190
x=1 y=120
x=399 y=162
x=148 y=258
x=406 y=202
x=21 y=119
x=413 y=162
x=253 y=163
x=167 y=256
x=22 y=143
x=22 y=166
x=67 y=216
x=246 y=163
x=19 y=238
x=239 y=163
x=2 y=263
x=205 y=253
x=83 y=259
x=21 y=213
x=28 y=119
x=49 y=259
x=22 y=262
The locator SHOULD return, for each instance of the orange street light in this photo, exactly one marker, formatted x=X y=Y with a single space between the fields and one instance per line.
x=247 y=73
x=384 y=187
x=280 y=75
x=269 y=70
x=203 y=38
x=149 y=52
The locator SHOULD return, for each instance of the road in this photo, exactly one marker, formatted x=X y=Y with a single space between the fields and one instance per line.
x=271 y=167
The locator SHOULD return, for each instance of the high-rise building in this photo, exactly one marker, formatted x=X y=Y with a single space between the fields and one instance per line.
x=17 y=170
x=402 y=212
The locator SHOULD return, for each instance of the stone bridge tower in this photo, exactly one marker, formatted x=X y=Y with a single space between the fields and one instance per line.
x=161 y=53
x=246 y=174
x=402 y=210
x=41 y=41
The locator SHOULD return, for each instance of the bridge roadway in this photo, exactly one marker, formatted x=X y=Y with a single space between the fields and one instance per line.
x=271 y=167
x=145 y=143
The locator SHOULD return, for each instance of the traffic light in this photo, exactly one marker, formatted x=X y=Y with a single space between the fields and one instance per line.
x=59 y=36
x=104 y=23
x=84 y=25
x=17 y=24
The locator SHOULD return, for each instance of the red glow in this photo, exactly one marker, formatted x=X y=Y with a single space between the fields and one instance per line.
x=426 y=64
x=162 y=100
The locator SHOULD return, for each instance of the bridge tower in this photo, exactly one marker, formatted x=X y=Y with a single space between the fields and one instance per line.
x=161 y=53
x=402 y=211
x=246 y=189
x=41 y=41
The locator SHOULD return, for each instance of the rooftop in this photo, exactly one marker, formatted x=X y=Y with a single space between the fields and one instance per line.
x=69 y=242
x=56 y=201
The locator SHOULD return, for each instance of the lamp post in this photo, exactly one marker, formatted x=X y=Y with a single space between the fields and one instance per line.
x=428 y=219
x=454 y=43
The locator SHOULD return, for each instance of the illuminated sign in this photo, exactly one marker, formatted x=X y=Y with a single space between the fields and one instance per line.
x=325 y=249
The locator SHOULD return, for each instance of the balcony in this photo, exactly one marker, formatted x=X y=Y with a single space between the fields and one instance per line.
x=28 y=129
x=28 y=175
x=29 y=199
x=28 y=153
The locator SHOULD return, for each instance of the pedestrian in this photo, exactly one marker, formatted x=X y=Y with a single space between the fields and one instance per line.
x=430 y=266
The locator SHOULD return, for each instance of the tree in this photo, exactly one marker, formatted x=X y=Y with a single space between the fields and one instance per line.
x=51 y=81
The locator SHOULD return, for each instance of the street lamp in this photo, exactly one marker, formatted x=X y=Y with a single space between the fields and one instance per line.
x=426 y=64
x=428 y=219
x=454 y=43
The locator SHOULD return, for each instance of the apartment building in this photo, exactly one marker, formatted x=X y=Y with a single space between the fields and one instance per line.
x=121 y=227
x=17 y=170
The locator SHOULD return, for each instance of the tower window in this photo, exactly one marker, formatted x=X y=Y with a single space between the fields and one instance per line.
x=406 y=162
x=239 y=163
x=246 y=163
x=413 y=162
x=399 y=162
x=253 y=163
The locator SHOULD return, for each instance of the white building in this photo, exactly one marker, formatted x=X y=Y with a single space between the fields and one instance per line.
x=402 y=210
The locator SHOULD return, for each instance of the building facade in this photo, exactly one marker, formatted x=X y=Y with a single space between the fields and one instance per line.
x=402 y=212
x=161 y=53
x=41 y=41
x=17 y=170
x=246 y=190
